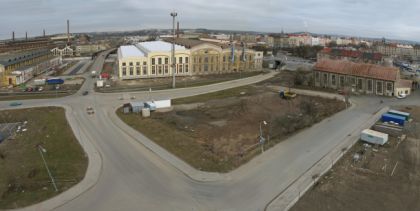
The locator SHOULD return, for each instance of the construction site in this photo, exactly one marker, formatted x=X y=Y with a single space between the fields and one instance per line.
x=222 y=130
x=373 y=176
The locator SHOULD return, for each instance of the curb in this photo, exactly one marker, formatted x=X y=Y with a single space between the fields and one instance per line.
x=90 y=179
x=289 y=196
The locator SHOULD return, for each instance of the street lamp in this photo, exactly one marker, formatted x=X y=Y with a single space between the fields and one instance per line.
x=42 y=150
x=173 y=14
x=262 y=139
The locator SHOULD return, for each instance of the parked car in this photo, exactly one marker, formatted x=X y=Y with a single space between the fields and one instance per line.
x=40 y=89
x=401 y=96
x=15 y=104
x=90 y=110
x=85 y=93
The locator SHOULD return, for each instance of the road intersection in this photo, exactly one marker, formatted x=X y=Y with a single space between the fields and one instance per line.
x=127 y=171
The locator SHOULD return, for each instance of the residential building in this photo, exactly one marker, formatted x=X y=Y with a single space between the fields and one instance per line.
x=193 y=57
x=63 y=52
x=350 y=54
x=360 y=77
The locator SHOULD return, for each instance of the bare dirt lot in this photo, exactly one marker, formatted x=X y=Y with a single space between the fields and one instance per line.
x=219 y=131
x=386 y=178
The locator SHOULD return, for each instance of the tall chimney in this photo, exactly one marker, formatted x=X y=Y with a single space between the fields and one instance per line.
x=13 y=36
x=26 y=35
x=68 y=32
x=44 y=32
x=177 y=29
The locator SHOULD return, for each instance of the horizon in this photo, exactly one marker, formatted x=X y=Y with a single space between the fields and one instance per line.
x=270 y=17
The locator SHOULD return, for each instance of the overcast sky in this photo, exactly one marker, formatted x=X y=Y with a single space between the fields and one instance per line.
x=398 y=19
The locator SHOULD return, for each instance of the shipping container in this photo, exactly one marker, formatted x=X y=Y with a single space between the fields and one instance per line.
x=400 y=113
x=150 y=105
x=393 y=118
x=162 y=103
x=39 y=82
x=55 y=81
x=374 y=137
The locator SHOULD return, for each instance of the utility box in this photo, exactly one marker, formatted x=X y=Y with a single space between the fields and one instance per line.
x=374 y=137
x=99 y=83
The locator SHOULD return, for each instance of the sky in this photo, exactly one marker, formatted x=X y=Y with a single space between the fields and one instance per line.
x=392 y=19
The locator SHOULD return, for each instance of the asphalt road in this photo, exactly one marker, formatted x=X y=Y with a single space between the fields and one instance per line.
x=135 y=178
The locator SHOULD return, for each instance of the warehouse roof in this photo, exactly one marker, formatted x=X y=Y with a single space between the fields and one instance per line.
x=16 y=57
x=130 y=51
x=156 y=46
x=358 y=69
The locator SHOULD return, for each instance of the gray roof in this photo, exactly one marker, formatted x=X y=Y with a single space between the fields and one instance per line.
x=136 y=104
x=17 y=57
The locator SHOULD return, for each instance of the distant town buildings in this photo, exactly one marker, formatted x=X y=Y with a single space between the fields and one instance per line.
x=405 y=51
x=193 y=57
x=360 y=77
x=349 y=54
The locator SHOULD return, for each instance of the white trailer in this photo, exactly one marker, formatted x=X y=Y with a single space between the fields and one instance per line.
x=162 y=103
x=374 y=137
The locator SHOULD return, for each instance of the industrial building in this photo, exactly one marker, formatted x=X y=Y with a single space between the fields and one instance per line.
x=18 y=67
x=193 y=57
x=362 y=78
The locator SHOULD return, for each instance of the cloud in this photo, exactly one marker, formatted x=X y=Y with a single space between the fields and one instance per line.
x=385 y=18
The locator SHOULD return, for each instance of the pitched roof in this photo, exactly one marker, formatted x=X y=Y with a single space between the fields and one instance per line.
x=358 y=69
x=404 y=83
x=130 y=51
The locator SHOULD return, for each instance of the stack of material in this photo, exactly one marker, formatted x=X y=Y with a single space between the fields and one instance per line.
x=392 y=130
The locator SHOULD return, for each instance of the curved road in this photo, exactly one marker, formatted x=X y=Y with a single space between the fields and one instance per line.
x=136 y=174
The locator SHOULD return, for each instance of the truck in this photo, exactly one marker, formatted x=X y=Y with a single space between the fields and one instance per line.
x=55 y=81
x=287 y=94
x=93 y=74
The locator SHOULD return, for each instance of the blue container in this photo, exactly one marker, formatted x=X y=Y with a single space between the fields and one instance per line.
x=55 y=81
x=394 y=118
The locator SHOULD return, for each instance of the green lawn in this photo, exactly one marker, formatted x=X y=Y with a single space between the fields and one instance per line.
x=23 y=178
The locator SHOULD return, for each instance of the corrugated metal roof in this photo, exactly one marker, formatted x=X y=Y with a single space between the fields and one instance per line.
x=358 y=69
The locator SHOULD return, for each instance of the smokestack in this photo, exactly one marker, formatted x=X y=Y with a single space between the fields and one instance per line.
x=13 y=36
x=177 y=29
x=68 y=32
x=26 y=35
x=44 y=32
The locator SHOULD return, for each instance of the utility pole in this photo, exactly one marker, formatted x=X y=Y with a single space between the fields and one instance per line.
x=173 y=14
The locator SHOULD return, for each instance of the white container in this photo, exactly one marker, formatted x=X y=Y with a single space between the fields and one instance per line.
x=39 y=82
x=145 y=112
x=162 y=103
x=99 y=83
x=374 y=137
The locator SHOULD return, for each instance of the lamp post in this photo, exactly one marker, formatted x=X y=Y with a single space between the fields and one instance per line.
x=42 y=151
x=262 y=139
x=173 y=14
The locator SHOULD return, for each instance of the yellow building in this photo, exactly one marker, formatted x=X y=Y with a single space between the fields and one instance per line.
x=11 y=62
x=193 y=57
